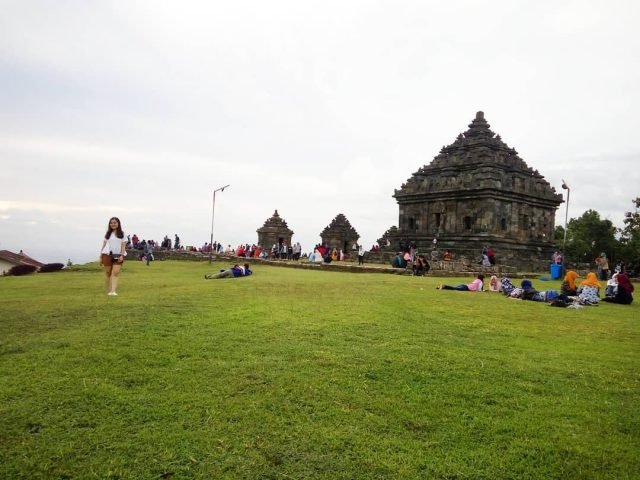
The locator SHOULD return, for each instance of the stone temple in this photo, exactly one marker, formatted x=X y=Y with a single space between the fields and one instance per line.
x=274 y=232
x=340 y=234
x=478 y=192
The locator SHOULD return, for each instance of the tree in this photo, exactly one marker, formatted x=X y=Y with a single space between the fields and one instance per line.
x=588 y=236
x=558 y=234
x=630 y=237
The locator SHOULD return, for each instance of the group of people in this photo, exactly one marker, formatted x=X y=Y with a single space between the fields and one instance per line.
x=327 y=254
x=147 y=247
x=166 y=242
x=619 y=289
x=215 y=247
x=137 y=244
x=417 y=262
x=279 y=251
x=487 y=257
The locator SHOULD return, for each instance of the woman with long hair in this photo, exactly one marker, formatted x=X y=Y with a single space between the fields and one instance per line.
x=112 y=254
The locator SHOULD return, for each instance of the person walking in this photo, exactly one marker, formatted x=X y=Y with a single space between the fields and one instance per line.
x=112 y=254
x=148 y=252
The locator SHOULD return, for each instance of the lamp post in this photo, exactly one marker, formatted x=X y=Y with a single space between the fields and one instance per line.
x=566 y=218
x=213 y=212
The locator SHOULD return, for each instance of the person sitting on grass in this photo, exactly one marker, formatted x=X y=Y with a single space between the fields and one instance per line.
x=398 y=261
x=530 y=293
x=589 y=290
x=568 y=286
x=624 y=291
x=233 y=272
x=476 y=286
x=494 y=284
x=506 y=286
x=612 y=286
x=316 y=256
x=420 y=266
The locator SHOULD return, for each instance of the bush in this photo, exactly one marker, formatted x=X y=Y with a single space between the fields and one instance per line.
x=51 y=267
x=22 y=270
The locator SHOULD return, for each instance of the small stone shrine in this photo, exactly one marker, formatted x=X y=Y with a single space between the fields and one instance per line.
x=477 y=192
x=340 y=234
x=274 y=232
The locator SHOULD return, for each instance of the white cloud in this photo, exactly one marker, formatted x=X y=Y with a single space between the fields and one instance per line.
x=142 y=110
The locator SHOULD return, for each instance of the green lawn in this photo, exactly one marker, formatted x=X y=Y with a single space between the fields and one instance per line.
x=296 y=374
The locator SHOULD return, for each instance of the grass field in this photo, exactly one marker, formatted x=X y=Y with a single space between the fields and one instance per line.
x=295 y=374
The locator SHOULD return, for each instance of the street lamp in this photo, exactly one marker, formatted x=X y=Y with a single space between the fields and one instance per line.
x=213 y=212
x=566 y=218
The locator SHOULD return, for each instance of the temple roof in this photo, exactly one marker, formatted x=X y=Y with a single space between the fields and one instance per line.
x=478 y=158
x=340 y=224
x=275 y=223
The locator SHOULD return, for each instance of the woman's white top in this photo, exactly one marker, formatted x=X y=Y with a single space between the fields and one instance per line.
x=114 y=244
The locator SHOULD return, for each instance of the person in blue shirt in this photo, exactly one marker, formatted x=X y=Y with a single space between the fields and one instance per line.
x=233 y=272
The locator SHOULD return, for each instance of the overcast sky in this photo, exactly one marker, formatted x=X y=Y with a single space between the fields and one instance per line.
x=141 y=109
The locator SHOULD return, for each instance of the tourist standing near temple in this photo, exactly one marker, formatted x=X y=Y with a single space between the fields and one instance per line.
x=361 y=255
x=148 y=253
x=603 y=266
x=297 y=250
x=112 y=254
x=492 y=255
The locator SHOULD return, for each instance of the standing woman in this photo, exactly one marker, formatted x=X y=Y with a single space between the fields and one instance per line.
x=112 y=254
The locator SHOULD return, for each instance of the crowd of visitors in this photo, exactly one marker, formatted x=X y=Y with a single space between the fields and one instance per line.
x=586 y=293
x=619 y=289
